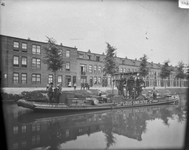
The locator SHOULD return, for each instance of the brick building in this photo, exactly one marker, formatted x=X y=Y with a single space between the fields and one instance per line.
x=22 y=66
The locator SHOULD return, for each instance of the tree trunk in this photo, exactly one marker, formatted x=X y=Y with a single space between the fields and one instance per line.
x=55 y=79
x=165 y=82
x=112 y=87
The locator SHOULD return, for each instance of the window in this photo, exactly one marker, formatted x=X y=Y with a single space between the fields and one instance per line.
x=99 y=80
x=24 y=47
x=16 y=45
x=24 y=78
x=124 y=70
x=24 y=61
x=15 y=129
x=121 y=70
x=90 y=68
x=15 y=145
x=24 y=129
x=15 y=78
x=97 y=58
x=36 y=63
x=67 y=66
x=95 y=80
x=38 y=127
x=81 y=56
x=16 y=61
x=89 y=57
x=33 y=127
x=67 y=133
x=95 y=67
x=59 y=79
x=50 y=78
x=36 y=78
x=36 y=49
x=67 y=53
x=99 y=69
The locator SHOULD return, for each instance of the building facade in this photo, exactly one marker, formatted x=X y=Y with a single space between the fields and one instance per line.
x=22 y=66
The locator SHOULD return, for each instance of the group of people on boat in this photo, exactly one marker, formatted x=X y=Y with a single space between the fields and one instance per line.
x=132 y=84
x=53 y=94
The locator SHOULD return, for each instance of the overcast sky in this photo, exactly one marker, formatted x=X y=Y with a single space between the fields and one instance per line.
x=158 y=29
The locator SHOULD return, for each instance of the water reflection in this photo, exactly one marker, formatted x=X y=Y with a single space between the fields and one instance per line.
x=29 y=130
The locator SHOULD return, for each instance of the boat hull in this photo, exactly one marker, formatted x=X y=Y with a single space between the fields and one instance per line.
x=54 y=107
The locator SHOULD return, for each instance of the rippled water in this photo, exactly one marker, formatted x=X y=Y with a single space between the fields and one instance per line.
x=138 y=128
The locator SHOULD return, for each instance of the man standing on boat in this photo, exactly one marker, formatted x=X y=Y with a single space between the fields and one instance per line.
x=50 y=92
x=57 y=92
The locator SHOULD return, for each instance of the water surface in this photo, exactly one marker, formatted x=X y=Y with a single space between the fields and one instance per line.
x=137 y=128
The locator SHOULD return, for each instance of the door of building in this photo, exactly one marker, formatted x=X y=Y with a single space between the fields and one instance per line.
x=67 y=81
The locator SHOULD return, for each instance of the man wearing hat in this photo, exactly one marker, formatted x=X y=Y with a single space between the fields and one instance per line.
x=50 y=92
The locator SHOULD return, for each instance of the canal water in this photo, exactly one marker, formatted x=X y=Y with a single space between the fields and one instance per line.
x=154 y=127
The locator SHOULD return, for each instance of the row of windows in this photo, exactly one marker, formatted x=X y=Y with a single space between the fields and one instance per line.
x=97 y=58
x=35 y=78
x=91 y=69
x=36 y=49
x=36 y=62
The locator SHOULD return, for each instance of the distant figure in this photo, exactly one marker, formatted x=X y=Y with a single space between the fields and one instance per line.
x=69 y=84
x=75 y=85
x=50 y=92
x=99 y=93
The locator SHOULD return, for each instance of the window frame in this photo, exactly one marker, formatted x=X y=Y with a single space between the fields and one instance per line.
x=67 y=53
x=50 y=78
x=24 y=49
x=15 y=78
x=24 y=77
x=67 y=66
x=36 y=63
x=90 y=68
x=24 y=65
x=16 y=46
x=15 y=64
x=59 y=79
x=36 y=76
x=36 y=49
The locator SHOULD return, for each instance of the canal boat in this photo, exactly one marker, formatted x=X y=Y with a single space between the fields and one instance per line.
x=129 y=96
x=45 y=106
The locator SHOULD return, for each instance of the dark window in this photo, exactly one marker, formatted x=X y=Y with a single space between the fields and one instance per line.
x=97 y=58
x=89 y=57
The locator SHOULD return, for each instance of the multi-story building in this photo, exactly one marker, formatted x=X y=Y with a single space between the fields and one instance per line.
x=22 y=66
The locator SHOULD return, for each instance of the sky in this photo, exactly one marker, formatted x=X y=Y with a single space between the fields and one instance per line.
x=159 y=29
